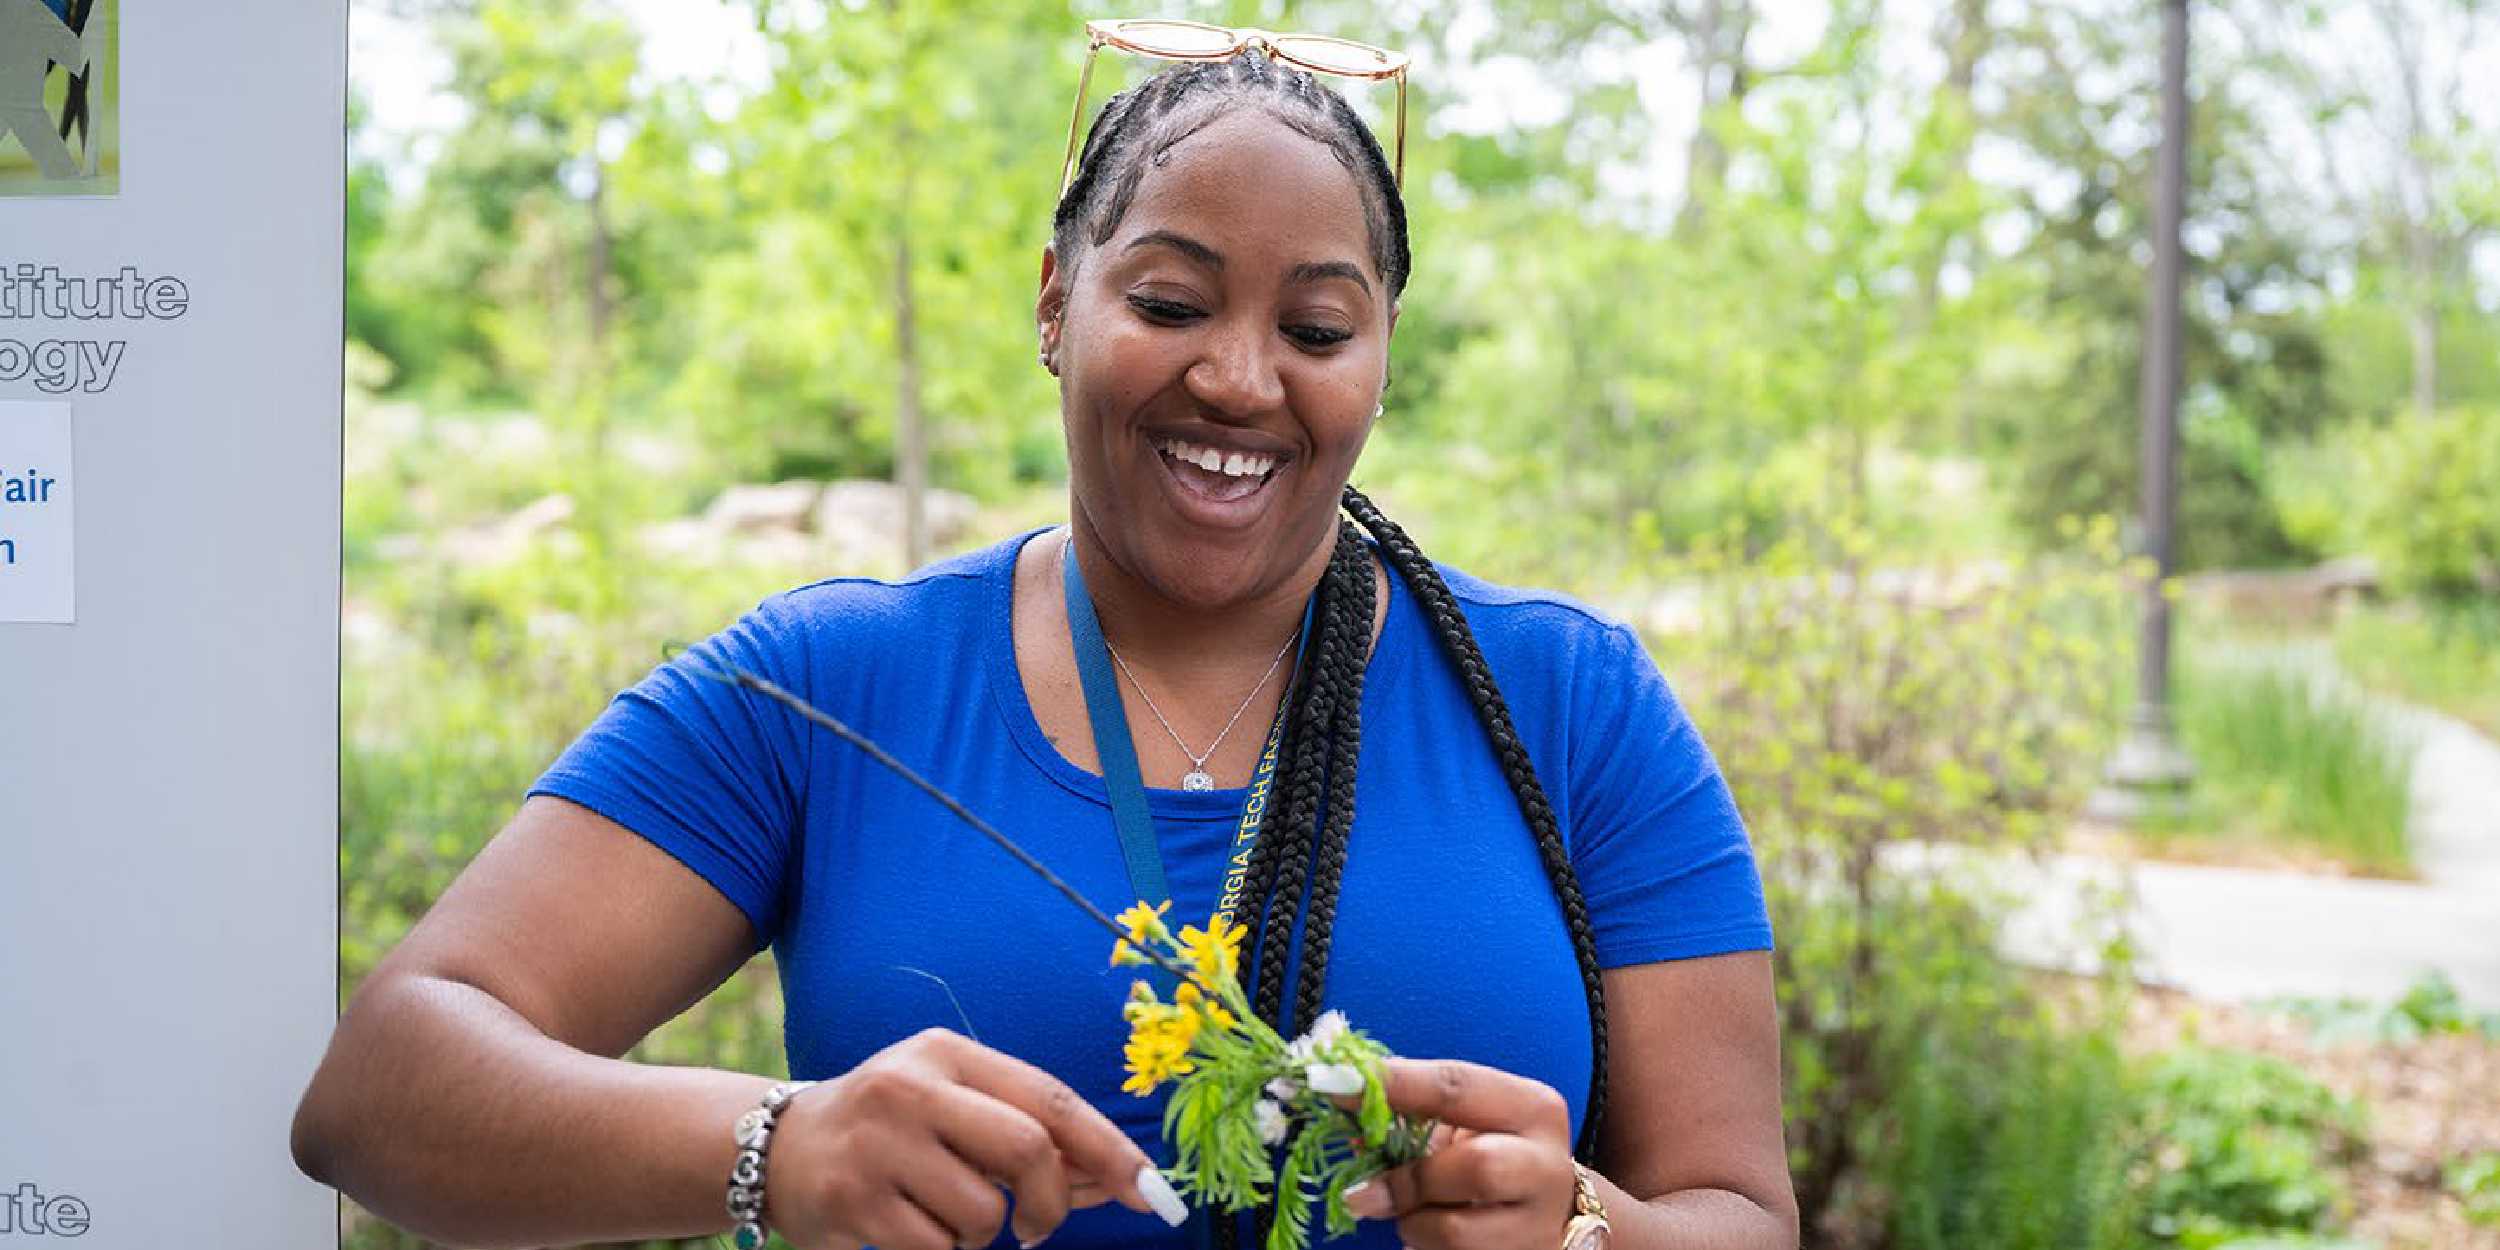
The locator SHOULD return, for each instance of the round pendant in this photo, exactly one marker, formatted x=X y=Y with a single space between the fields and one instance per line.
x=1196 y=779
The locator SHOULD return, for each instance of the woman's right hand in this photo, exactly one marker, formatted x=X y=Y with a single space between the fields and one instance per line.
x=909 y=1151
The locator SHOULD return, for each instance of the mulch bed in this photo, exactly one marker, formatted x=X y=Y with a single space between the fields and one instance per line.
x=2429 y=1102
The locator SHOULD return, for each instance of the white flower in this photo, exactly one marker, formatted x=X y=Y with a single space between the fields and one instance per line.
x=1334 y=1078
x=1284 y=1089
x=1271 y=1121
x=1329 y=1027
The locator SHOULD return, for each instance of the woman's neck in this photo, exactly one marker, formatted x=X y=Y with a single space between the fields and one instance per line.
x=1189 y=643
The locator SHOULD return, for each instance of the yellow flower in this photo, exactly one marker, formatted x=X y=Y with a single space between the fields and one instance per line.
x=1145 y=923
x=1171 y=1026
x=1215 y=951
x=1188 y=995
x=1158 y=1050
x=1177 y=1026
x=1142 y=1004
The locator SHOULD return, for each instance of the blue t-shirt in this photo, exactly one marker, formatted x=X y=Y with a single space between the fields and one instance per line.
x=1449 y=941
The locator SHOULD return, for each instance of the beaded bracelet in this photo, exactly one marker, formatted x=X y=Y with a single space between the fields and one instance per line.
x=746 y=1176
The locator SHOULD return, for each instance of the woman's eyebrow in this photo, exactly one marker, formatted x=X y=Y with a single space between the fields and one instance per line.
x=1315 y=270
x=1182 y=244
x=1307 y=271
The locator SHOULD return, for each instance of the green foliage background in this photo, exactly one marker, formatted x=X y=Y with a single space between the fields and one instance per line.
x=1839 y=389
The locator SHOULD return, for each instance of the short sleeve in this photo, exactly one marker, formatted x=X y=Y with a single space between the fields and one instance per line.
x=1661 y=852
x=705 y=770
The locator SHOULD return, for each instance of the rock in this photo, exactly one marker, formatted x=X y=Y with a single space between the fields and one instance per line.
x=504 y=540
x=784 y=506
x=859 y=522
x=538 y=516
x=694 y=539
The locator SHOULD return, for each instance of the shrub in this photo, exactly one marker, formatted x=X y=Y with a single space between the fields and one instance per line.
x=2430 y=1007
x=2246 y=1144
x=1858 y=710
x=2428 y=512
x=2011 y=1127
x=2445 y=655
x=2475 y=1180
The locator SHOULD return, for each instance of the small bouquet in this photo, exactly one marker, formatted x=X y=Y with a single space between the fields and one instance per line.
x=1242 y=1093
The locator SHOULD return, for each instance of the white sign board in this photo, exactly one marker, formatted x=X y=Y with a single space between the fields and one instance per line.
x=170 y=239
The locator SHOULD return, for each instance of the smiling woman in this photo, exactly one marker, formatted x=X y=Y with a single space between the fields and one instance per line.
x=1227 y=314
x=1481 y=825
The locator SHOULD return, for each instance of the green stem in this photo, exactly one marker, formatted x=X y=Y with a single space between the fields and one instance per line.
x=735 y=676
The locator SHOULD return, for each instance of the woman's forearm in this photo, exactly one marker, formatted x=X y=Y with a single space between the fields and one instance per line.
x=1697 y=1219
x=444 y=1111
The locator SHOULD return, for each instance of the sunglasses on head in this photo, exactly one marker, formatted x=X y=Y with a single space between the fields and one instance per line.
x=1173 y=40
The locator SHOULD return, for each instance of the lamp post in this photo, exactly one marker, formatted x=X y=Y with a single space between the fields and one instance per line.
x=2149 y=774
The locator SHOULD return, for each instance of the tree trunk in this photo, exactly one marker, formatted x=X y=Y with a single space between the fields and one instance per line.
x=911 y=437
x=2422 y=258
x=1964 y=38
x=1715 y=38
x=2417 y=201
x=598 y=299
x=911 y=442
x=1966 y=42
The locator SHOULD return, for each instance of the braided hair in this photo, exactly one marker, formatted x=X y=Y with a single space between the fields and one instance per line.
x=1139 y=127
x=1291 y=882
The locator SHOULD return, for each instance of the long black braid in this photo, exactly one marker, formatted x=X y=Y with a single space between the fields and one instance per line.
x=1292 y=880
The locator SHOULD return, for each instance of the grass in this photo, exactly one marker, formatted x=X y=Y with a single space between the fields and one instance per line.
x=2290 y=763
x=2441 y=656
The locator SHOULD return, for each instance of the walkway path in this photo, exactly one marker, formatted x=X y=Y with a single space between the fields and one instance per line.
x=2236 y=934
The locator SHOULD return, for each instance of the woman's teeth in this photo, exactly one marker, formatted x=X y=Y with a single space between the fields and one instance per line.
x=1230 y=464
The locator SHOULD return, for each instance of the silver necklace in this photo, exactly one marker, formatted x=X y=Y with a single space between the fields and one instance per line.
x=1197 y=778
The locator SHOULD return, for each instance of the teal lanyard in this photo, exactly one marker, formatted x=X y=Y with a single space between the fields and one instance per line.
x=1127 y=786
x=1118 y=754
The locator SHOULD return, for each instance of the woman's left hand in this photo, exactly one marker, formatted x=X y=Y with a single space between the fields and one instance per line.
x=1500 y=1174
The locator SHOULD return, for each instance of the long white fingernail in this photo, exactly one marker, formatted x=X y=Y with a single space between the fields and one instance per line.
x=1160 y=1196
x=1366 y=1199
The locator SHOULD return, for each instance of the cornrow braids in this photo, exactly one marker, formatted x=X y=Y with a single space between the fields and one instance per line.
x=1138 y=127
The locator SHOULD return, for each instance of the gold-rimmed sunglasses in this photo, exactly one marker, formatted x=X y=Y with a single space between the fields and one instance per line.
x=1171 y=39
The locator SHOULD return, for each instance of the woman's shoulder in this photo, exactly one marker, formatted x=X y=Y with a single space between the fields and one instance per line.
x=949 y=592
x=1554 y=656
x=1505 y=616
x=835 y=632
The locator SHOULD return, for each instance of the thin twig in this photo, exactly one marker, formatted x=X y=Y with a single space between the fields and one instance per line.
x=735 y=676
x=960 y=1013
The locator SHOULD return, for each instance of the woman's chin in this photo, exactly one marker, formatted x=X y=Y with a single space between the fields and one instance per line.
x=1209 y=580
